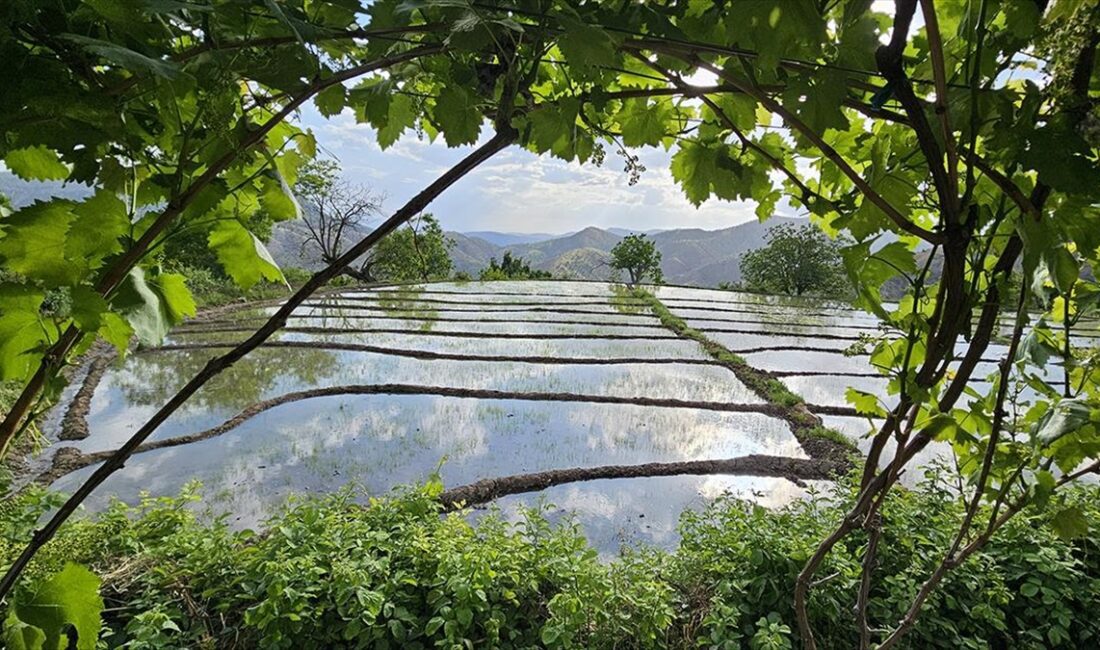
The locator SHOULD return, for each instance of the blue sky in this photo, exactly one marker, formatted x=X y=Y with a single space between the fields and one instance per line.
x=518 y=191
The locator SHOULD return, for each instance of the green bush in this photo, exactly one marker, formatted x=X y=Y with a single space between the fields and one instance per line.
x=396 y=573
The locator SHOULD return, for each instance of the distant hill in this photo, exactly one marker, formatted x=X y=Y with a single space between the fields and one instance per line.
x=689 y=255
x=510 y=238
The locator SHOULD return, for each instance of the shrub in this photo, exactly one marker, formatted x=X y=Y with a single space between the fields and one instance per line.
x=330 y=573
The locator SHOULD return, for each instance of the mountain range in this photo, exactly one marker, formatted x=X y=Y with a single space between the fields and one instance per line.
x=688 y=255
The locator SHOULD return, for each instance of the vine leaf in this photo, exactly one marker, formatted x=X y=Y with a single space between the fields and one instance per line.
x=1070 y=523
x=125 y=57
x=643 y=123
x=36 y=163
x=21 y=636
x=21 y=329
x=243 y=256
x=457 y=116
x=400 y=116
x=330 y=101
x=703 y=170
x=70 y=598
x=33 y=237
x=100 y=223
x=151 y=306
x=587 y=48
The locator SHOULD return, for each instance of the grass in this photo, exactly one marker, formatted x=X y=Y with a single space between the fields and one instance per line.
x=770 y=389
x=826 y=433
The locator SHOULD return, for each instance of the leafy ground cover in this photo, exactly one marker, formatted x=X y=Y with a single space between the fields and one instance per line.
x=397 y=573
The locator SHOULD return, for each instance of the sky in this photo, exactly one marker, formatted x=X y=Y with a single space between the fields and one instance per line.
x=517 y=191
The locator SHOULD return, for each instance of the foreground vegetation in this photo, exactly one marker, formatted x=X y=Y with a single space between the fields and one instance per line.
x=328 y=573
x=972 y=137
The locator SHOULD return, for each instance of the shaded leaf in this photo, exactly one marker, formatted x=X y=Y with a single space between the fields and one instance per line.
x=1070 y=523
x=457 y=115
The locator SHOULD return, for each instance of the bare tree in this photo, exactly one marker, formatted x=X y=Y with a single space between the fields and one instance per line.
x=334 y=212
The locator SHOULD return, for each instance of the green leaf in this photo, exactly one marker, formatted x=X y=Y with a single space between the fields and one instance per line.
x=818 y=100
x=277 y=199
x=1064 y=268
x=1021 y=17
x=400 y=116
x=1065 y=417
x=864 y=403
x=1063 y=159
x=23 y=333
x=150 y=304
x=58 y=242
x=243 y=255
x=174 y=295
x=21 y=636
x=457 y=115
x=587 y=48
x=36 y=163
x=88 y=308
x=116 y=331
x=330 y=101
x=554 y=128
x=702 y=170
x=97 y=230
x=125 y=57
x=642 y=122
x=33 y=239
x=1070 y=523
x=1044 y=487
x=550 y=634
x=69 y=598
x=942 y=426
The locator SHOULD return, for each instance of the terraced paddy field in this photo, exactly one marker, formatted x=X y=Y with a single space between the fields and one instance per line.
x=573 y=393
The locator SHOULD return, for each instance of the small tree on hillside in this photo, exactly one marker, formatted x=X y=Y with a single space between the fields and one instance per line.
x=796 y=261
x=511 y=267
x=334 y=210
x=639 y=257
x=419 y=250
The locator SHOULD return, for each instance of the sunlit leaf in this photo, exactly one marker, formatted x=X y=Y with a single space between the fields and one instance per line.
x=243 y=256
x=36 y=163
x=70 y=598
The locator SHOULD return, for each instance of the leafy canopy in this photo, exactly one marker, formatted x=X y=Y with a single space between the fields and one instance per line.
x=511 y=267
x=419 y=251
x=797 y=260
x=639 y=257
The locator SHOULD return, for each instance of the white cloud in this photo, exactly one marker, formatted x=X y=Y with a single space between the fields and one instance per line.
x=517 y=191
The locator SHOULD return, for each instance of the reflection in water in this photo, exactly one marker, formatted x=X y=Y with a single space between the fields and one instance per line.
x=641 y=348
x=859 y=430
x=829 y=390
x=641 y=511
x=380 y=441
x=150 y=379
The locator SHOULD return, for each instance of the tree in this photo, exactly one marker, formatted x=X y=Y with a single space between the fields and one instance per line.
x=418 y=251
x=335 y=217
x=335 y=211
x=795 y=261
x=511 y=267
x=639 y=257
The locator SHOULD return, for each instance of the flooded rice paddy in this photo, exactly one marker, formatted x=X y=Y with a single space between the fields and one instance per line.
x=477 y=380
